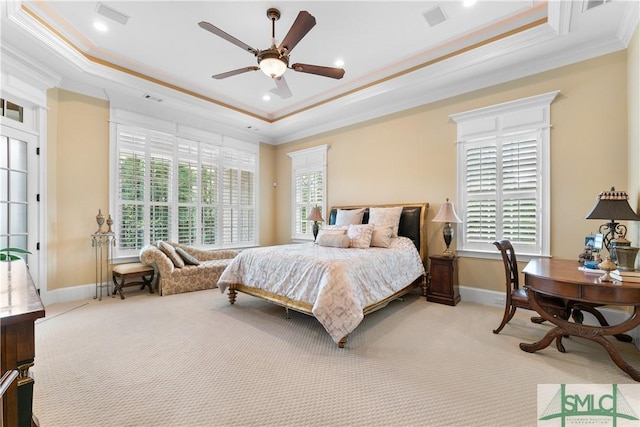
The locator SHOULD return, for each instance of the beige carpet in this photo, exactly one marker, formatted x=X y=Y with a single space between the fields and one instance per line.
x=194 y=360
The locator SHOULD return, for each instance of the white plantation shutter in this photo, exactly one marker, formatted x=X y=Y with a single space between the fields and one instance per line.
x=481 y=183
x=187 y=194
x=308 y=176
x=176 y=189
x=131 y=191
x=238 y=197
x=309 y=192
x=520 y=182
x=503 y=176
x=209 y=194
x=501 y=186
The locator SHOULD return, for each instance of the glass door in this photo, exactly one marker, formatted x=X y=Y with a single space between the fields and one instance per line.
x=19 y=193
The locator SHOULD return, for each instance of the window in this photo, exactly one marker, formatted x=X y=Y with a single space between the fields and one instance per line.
x=308 y=187
x=11 y=110
x=503 y=176
x=177 y=189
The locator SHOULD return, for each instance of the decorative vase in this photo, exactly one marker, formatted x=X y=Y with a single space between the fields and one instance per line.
x=100 y=221
x=626 y=256
x=607 y=266
x=618 y=243
x=109 y=224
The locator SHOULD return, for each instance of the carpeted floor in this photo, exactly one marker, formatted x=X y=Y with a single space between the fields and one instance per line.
x=194 y=360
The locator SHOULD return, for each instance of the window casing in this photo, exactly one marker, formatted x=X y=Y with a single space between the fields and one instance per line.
x=503 y=165
x=308 y=188
x=172 y=188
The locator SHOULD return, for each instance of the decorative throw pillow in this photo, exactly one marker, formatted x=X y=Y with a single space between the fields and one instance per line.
x=187 y=257
x=326 y=231
x=349 y=216
x=334 y=240
x=384 y=217
x=360 y=235
x=381 y=236
x=170 y=251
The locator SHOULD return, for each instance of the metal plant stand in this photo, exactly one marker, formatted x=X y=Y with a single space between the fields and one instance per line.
x=103 y=244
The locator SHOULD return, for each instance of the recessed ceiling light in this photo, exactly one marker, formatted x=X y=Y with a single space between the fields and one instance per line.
x=339 y=63
x=266 y=98
x=100 y=26
x=469 y=3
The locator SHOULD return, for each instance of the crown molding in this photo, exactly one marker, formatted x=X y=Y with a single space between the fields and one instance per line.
x=629 y=22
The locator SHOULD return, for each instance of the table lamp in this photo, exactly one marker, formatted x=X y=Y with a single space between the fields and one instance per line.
x=612 y=205
x=315 y=216
x=447 y=214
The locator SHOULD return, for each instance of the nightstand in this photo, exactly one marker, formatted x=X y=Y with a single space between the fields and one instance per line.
x=443 y=284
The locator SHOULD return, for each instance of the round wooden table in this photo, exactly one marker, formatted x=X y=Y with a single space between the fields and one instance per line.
x=562 y=279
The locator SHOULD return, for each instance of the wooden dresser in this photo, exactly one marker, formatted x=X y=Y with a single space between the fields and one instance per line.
x=20 y=306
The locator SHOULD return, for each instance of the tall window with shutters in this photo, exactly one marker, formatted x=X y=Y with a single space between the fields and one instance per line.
x=503 y=176
x=176 y=189
x=308 y=188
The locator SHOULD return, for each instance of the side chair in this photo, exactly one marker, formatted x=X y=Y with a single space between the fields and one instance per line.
x=516 y=297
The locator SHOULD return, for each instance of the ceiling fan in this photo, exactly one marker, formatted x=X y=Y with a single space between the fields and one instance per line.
x=275 y=60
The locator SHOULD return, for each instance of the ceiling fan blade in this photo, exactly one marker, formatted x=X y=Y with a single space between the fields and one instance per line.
x=334 y=73
x=234 y=72
x=282 y=88
x=301 y=26
x=218 y=32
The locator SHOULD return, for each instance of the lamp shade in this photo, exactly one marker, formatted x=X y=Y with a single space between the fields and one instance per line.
x=613 y=205
x=446 y=213
x=315 y=215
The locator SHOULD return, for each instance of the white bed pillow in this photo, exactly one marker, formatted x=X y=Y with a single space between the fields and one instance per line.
x=381 y=236
x=384 y=217
x=360 y=235
x=349 y=216
x=334 y=240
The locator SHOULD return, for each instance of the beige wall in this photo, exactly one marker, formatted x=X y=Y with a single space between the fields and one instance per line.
x=77 y=184
x=411 y=156
x=267 y=207
x=405 y=157
x=633 y=73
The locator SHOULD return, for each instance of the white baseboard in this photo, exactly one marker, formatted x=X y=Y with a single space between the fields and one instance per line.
x=72 y=293
x=496 y=299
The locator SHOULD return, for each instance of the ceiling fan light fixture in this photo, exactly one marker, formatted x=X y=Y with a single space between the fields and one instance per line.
x=272 y=64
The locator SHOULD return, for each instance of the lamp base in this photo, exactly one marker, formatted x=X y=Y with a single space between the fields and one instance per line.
x=315 y=230
x=448 y=253
x=447 y=233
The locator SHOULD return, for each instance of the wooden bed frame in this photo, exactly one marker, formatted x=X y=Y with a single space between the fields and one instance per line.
x=412 y=225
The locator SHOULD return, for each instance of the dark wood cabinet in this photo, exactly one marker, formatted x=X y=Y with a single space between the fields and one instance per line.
x=443 y=283
x=21 y=306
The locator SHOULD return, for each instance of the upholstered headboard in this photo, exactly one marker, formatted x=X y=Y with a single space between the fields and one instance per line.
x=412 y=222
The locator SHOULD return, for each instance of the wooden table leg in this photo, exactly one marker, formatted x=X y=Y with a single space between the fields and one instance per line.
x=593 y=333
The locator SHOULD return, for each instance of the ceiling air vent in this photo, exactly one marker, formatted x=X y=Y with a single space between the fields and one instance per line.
x=590 y=4
x=111 y=13
x=434 y=16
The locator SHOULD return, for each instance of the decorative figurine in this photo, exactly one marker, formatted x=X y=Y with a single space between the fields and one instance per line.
x=100 y=221
x=586 y=255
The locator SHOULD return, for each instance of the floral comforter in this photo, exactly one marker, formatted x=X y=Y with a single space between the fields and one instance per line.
x=338 y=283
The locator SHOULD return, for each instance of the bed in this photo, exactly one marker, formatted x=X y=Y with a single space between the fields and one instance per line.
x=338 y=286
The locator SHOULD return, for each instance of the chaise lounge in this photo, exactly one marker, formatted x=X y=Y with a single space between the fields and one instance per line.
x=183 y=268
